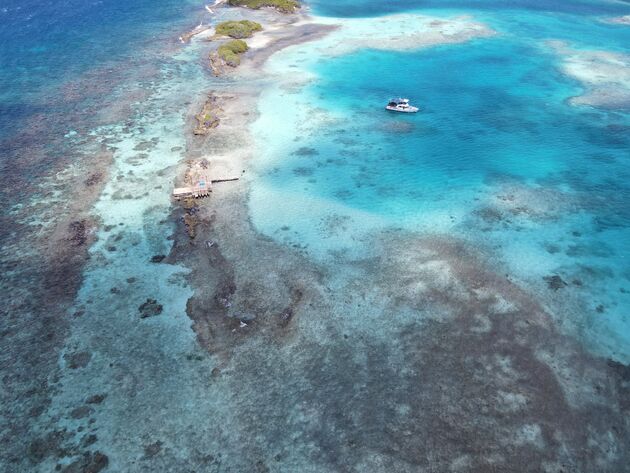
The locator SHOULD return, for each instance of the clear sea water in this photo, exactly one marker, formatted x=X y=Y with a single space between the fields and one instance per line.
x=498 y=158
x=495 y=121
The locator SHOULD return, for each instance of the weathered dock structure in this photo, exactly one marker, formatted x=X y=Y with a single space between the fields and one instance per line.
x=201 y=176
x=201 y=186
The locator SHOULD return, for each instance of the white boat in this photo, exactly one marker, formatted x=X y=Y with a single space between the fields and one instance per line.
x=401 y=105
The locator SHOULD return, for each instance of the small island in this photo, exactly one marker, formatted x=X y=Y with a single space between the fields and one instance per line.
x=208 y=117
x=237 y=29
x=284 y=6
x=230 y=52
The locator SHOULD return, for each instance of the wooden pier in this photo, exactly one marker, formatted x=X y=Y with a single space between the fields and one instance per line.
x=200 y=177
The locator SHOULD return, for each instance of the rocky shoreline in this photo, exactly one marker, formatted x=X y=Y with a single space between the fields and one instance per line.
x=208 y=117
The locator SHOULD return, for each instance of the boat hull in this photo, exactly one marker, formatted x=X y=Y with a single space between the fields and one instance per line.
x=405 y=110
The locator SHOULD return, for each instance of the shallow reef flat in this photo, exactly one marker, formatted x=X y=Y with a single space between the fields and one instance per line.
x=399 y=32
x=604 y=74
x=619 y=20
x=416 y=356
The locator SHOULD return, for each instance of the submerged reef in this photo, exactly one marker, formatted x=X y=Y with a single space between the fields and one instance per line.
x=238 y=29
x=283 y=6
x=619 y=20
x=604 y=74
x=419 y=356
x=401 y=32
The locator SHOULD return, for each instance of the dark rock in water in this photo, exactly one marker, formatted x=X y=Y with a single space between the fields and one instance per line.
x=489 y=214
x=619 y=368
x=47 y=445
x=93 y=179
x=261 y=467
x=144 y=145
x=286 y=316
x=89 y=463
x=303 y=171
x=88 y=440
x=78 y=232
x=157 y=258
x=150 y=308
x=80 y=412
x=96 y=399
x=78 y=359
x=552 y=248
x=152 y=449
x=304 y=151
x=555 y=282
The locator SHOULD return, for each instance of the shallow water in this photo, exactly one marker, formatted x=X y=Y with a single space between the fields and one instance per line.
x=497 y=156
x=422 y=292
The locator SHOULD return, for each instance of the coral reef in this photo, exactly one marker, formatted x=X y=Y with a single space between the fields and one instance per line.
x=604 y=74
x=150 y=308
x=619 y=20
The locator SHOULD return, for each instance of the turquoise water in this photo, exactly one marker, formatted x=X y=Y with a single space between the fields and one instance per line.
x=495 y=120
x=447 y=291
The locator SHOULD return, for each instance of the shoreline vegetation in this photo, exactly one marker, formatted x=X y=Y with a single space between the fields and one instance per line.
x=230 y=52
x=237 y=29
x=283 y=6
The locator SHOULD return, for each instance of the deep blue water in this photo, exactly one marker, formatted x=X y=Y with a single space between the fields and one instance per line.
x=45 y=43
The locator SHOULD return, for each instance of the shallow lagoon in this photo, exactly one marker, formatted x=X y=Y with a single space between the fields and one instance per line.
x=428 y=255
x=497 y=156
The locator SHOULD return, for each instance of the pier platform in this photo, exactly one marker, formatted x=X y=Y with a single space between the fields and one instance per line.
x=201 y=175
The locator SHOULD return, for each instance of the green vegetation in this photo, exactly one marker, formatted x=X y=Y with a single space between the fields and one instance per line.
x=231 y=52
x=238 y=29
x=285 y=6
